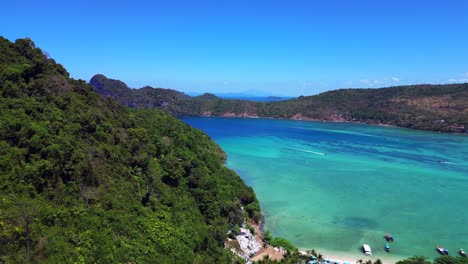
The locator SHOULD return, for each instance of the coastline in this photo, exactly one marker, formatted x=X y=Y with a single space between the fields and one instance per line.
x=332 y=255
x=352 y=257
x=348 y=254
x=341 y=256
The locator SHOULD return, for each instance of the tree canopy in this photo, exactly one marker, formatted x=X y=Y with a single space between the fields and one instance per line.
x=85 y=180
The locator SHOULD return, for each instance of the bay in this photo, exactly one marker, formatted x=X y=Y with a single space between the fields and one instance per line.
x=335 y=186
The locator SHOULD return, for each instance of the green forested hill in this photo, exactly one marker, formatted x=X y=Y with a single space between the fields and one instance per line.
x=427 y=107
x=84 y=180
x=145 y=97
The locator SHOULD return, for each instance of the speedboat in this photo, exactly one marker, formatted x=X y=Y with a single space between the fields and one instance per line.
x=442 y=250
x=462 y=252
x=387 y=247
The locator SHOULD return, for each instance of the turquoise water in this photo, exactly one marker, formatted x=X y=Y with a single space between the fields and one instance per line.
x=373 y=180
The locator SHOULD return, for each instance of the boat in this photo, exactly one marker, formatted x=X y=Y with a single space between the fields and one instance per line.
x=462 y=252
x=389 y=238
x=367 y=250
x=387 y=247
x=442 y=250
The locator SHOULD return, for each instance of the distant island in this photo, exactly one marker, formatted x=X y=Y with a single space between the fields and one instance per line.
x=442 y=108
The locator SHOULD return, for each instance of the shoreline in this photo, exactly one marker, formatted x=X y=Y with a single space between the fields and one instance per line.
x=332 y=255
x=308 y=119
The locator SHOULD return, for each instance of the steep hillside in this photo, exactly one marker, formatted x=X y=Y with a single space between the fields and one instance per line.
x=170 y=101
x=85 y=180
x=428 y=107
x=145 y=97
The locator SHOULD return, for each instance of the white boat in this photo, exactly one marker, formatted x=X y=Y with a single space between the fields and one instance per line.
x=367 y=250
x=442 y=250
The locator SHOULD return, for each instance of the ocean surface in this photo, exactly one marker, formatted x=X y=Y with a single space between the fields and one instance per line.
x=258 y=98
x=335 y=186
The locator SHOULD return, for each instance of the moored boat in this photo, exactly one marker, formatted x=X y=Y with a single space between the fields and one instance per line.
x=367 y=250
x=442 y=250
x=462 y=252
x=387 y=247
x=389 y=237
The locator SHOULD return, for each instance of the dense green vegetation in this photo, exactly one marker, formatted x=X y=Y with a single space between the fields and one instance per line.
x=428 y=107
x=84 y=180
x=278 y=242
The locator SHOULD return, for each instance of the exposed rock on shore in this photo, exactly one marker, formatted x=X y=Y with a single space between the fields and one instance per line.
x=248 y=244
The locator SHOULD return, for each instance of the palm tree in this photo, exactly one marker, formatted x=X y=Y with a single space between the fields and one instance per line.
x=311 y=253
x=319 y=258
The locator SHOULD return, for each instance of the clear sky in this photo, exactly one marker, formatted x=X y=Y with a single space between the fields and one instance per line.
x=286 y=47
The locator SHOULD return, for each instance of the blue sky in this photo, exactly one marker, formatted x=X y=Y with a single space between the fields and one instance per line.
x=273 y=47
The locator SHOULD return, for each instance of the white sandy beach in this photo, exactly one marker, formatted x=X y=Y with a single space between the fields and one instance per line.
x=354 y=257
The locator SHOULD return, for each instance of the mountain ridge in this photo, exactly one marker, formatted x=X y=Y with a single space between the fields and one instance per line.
x=441 y=108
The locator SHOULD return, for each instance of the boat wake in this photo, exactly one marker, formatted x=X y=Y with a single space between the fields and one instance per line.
x=307 y=151
x=447 y=162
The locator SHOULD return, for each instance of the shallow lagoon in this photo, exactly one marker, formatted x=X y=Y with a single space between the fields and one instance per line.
x=335 y=186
